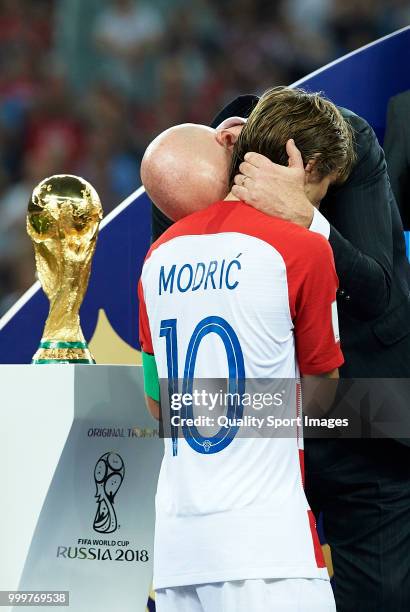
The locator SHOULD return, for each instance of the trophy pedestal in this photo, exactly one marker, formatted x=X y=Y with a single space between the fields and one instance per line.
x=69 y=433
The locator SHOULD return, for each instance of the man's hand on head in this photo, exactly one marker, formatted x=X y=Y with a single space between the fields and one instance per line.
x=274 y=189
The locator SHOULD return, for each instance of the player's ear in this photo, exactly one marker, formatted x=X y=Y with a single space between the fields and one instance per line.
x=311 y=173
x=227 y=137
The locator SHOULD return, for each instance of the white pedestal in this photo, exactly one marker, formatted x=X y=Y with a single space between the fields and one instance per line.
x=57 y=423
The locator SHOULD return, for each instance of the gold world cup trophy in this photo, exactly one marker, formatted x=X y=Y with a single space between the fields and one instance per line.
x=63 y=217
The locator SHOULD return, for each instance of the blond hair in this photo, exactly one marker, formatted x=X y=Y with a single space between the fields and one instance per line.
x=317 y=126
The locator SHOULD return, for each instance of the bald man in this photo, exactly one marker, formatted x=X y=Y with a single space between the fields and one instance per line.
x=230 y=293
x=186 y=168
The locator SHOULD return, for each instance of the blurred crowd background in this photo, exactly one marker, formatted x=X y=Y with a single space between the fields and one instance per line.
x=86 y=84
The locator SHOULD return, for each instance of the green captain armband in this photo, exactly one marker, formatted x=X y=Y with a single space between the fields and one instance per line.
x=151 y=380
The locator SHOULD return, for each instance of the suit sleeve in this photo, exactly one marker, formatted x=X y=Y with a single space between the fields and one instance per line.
x=397 y=147
x=159 y=223
x=241 y=106
x=361 y=229
x=315 y=322
x=361 y=223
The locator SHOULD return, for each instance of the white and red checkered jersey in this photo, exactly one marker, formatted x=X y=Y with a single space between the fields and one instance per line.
x=229 y=292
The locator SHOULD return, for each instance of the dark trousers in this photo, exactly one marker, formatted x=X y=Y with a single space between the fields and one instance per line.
x=363 y=489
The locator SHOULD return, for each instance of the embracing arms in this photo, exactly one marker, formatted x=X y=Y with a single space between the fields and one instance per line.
x=357 y=216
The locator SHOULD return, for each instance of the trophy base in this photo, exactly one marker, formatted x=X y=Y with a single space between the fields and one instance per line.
x=63 y=352
x=57 y=424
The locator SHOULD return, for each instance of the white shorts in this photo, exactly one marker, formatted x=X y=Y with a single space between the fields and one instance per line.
x=287 y=595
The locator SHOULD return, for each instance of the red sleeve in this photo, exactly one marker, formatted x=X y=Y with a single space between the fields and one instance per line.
x=316 y=326
x=144 y=330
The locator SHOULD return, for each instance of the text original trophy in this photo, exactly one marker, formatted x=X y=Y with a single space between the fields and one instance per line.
x=63 y=217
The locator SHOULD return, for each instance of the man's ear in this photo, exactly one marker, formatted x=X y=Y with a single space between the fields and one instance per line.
x=227 y=137
x=311 y=173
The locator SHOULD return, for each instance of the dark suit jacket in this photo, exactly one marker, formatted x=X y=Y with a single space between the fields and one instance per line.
x=397 y=149
x=368 y=244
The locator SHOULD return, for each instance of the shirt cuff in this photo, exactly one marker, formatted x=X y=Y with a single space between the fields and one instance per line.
x=320 y=224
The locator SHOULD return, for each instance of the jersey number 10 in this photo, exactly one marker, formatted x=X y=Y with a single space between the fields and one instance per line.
x=236 y=380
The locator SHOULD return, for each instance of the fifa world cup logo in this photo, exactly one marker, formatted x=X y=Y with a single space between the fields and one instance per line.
x=63 y=217
x=108 y=475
